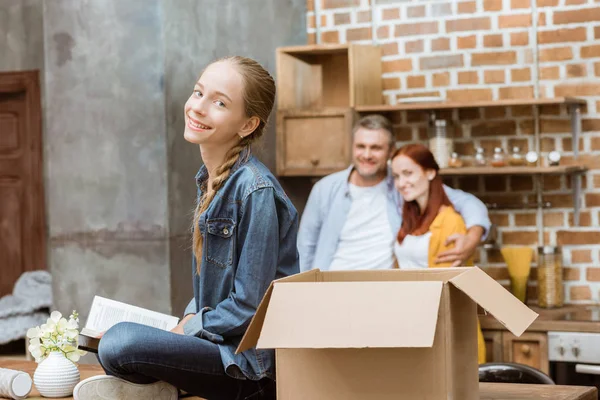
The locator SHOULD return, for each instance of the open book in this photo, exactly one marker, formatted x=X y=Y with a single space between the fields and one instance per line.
x=105 y=313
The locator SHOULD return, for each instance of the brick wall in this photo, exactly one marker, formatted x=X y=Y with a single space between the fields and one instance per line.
x=482 y=50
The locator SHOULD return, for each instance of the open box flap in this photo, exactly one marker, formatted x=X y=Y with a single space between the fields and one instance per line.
x=253 y=332
x=496 y=300
x=351 y=315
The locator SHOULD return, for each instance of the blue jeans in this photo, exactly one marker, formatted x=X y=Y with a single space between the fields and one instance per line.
x=141 y=354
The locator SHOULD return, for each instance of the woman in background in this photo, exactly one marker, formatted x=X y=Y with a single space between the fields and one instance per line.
x=428 y=218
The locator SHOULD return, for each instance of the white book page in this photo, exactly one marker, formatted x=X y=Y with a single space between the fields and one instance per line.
x=105 y=313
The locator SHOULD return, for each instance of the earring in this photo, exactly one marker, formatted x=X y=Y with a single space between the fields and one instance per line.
x=241 y=137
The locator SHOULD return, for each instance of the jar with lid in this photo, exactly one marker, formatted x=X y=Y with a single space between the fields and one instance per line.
x=516 y=158
x=553 y=158
x=455 y=161
x=498 y=160
x=439 y=143
x=550 y=277
x=480 y=160
x=532 y=158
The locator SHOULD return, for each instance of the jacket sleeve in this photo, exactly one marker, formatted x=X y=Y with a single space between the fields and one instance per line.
x=258 y=246
x=310 y=228
x=190 y=308
x=473 y=211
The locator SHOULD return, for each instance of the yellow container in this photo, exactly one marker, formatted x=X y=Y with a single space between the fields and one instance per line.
x=518 y=263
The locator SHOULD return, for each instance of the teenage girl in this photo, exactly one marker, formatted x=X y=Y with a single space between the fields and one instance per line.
x=244 y=237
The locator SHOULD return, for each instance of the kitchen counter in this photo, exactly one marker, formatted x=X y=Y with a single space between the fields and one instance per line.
x=570 y=318
x=488 y=391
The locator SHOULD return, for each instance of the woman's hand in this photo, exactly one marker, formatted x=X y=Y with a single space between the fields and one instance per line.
x=179 y=328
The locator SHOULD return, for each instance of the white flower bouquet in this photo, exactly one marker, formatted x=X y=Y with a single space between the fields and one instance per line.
x=57 y=334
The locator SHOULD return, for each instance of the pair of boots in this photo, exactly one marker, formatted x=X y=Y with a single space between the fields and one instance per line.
x=106 y=387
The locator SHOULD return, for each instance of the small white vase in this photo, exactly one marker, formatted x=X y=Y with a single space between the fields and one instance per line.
x=56 y=376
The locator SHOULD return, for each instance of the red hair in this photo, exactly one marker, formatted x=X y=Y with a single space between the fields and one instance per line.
x=413 y=221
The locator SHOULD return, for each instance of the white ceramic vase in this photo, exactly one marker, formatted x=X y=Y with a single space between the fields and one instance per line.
x=56 y=376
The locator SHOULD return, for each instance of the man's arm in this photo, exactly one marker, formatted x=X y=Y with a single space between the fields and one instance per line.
x=310 y=227
x=476 y=218
x=473 y=211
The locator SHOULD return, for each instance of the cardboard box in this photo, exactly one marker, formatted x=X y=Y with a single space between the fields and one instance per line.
x=391 y=334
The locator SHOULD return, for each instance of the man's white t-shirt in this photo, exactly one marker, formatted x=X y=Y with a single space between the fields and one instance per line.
x=366 y=240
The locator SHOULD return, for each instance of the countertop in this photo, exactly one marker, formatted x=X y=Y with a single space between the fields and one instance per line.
x=488 y=391
x=570 y=318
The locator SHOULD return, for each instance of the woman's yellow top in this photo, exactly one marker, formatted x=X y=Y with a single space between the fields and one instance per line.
x=449 y=222
x=446 y=223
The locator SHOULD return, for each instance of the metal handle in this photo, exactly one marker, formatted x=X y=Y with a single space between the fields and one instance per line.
x=587 y=369
x=314 y=161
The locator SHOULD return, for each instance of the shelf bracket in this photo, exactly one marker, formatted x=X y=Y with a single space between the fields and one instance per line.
x=576 y=183
x=575 y=111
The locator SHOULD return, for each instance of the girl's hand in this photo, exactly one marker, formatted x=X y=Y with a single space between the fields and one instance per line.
x=179 y=328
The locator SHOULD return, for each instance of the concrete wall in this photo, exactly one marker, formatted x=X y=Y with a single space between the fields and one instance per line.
x=21 y=35
x=105 y=152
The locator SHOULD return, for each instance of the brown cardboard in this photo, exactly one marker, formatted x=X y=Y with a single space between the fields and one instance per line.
x=348 y=314
x=253 y=332
x=486 y=292
x=360 y=335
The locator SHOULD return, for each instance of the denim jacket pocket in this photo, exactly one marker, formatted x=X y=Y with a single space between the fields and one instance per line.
x=220 y=241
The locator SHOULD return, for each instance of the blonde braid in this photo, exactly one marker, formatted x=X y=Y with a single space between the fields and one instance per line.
x=222 y=172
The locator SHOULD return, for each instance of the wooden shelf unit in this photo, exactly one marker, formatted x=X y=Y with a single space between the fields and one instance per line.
x=561 y=169
x=476 y=104
x=313 y=143
x=314 y=77
x=317 y=90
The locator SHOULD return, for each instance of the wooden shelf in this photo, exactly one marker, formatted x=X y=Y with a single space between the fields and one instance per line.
x=561 y=169
x=477 y=104
x=315 y=49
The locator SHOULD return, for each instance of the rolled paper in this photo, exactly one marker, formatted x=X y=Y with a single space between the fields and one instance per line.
x=14 y=384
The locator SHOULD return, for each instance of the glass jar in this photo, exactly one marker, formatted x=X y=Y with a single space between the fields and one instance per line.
x=553 y=158
x=455 y=161
x=516 y=158
x=439 y=143
x=480 y=160
x=550 y=277
x=498 y=160
x=532 y=158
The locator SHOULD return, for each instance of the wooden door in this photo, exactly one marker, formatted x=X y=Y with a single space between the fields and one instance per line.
x=531 y=348
x=22 y=216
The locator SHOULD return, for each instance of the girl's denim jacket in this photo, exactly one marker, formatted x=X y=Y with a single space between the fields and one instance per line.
x=249 y=232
